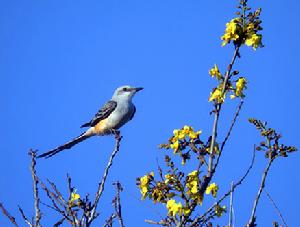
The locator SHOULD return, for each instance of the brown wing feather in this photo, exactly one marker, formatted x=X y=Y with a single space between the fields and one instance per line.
x=103 y=113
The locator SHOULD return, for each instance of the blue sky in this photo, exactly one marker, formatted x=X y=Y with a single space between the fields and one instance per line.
x=61 y=60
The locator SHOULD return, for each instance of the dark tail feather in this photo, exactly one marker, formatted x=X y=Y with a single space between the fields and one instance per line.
x=67 y=145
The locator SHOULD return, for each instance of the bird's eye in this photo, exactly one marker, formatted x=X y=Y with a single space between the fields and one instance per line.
x=125 y=89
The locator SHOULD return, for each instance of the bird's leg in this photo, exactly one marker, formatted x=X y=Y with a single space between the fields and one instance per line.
x=116 y=133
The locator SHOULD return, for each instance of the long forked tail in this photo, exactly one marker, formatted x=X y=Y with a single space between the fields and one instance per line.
x=67 y=145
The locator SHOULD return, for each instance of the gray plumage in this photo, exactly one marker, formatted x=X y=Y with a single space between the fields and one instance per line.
x=112 y=116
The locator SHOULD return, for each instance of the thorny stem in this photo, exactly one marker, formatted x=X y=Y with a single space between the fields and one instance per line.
x=100 y=190
x=262 y=185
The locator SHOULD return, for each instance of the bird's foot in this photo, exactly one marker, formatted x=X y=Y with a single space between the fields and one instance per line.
x=116 y=133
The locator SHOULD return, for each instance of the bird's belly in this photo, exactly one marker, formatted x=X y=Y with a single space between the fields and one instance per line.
x=114 y=121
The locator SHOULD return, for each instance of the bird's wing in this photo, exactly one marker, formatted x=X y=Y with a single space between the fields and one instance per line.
x=103 y=113
x=132 y=115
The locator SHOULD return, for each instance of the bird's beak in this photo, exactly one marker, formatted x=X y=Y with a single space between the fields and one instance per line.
x=138 y=89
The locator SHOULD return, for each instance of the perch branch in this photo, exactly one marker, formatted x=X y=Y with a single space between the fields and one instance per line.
x=100 y=190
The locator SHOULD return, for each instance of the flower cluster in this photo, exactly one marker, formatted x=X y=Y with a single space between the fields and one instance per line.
x=144 y=183
x=240 y=86
x=244 y=29
x=233 y=31
x=193 y=184
x=217 y=95
x=74 y=199
x=183 y=141
x=174 y=208
x=215 y=72
x=212 y=189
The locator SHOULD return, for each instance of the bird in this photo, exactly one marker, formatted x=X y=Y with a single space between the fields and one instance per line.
x=108 y=120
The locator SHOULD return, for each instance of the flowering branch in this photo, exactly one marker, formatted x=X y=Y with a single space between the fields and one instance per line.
x=232 y=189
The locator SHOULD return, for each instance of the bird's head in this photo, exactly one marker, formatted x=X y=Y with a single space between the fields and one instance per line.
x=125 y=92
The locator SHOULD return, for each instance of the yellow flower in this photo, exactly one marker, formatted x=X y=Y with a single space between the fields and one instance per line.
x=232 y=31
x=220 y=210
x=254 y=40
x=240 y=86
x=174 y=208
x=187 y=129
x=217 y=96
x=186 y=211
x=194 y=135
x=74 y=198
x=144 y=183
x=216 y=149
x=175 y=146
x=215 y=72
x=169 y=178
x=213 y=189
x=179 y=134
x=192 y=184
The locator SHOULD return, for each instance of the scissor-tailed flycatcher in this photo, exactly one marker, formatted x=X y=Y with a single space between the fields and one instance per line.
x=113 y=115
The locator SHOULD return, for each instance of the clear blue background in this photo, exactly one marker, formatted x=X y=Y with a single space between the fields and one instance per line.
x=61 y=60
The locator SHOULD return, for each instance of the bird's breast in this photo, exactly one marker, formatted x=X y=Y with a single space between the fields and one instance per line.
x=120 y=116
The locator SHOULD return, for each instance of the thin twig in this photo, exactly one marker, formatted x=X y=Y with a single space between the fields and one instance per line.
x=251 y=222
x=35 y=189
x=109 y=221
x=163 y=223
x=232 y=189
x=211 y=166
x=117 y=203
x=8 y=215
x=60 y=222
x=231 y=206
x=218 y=110
x=100 y=190
x=276 y=208
x=24 y=217
x=55 y=199
x=237 y=112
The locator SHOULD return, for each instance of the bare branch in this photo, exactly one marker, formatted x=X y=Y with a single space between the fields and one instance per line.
x=60 y=222
x=163 y=223
x=277 y=209
x=251 y=222
x=35 y=180
x=24 y=217
x=237 y=112
x=231 y=206
x=100 y=190
x=8 y=215
x=117 y=203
